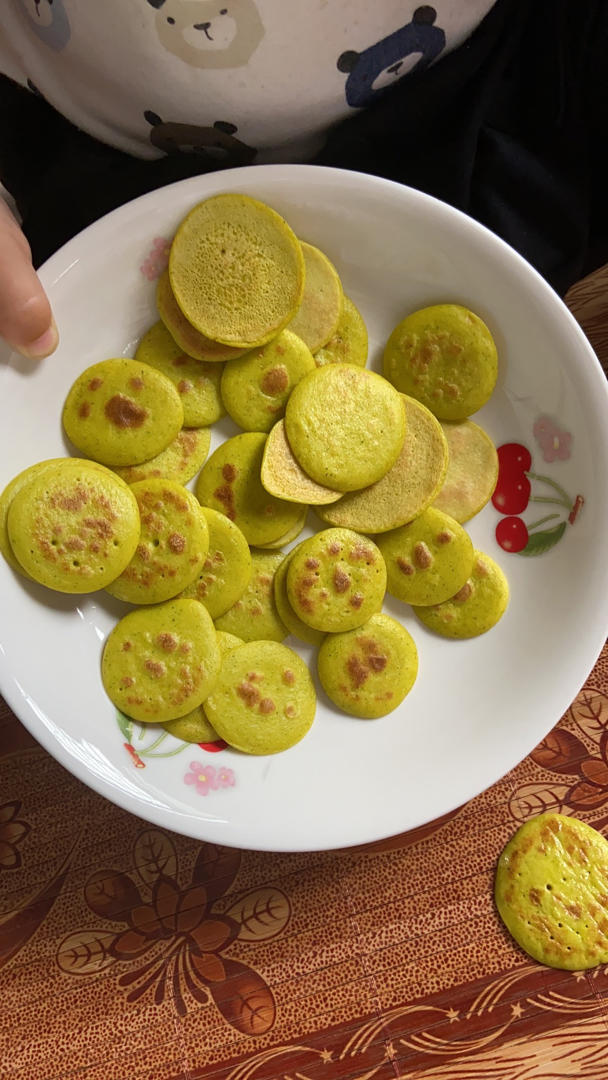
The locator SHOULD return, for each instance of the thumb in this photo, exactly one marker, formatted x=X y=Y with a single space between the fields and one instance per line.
x=26 y=319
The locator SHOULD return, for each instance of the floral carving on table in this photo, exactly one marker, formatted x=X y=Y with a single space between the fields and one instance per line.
x=12 y=832
x=171 y=937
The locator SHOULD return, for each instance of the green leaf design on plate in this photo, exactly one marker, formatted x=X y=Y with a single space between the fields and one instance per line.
x=125 y=725
x=540 y=542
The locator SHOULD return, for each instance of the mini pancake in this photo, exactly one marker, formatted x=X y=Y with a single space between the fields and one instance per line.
x=227 y=568
x=236 y=270
x=550 y=890
x=367 y=672
x=172 y=546
x=179 y=461
x=445 y=357
x=190 y=340
x=286 y=613
x=472 y=470
x=317 y=318
x=73 y=526
x=290 y=535
x=407 y=489
x=161 y=662
x=345 y=426
x=264 y=700
x=335 y=580
x=349 y=342
x=428 y=560
x=283 y=477
x=254 y=616
x=475 y=608
x=16 y=484
x=255 y=388
x=194 y=727
x=197 y=382
x=122 y=412
x=230 y=482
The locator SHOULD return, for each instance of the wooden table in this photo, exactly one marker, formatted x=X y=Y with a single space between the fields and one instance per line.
x=127 y=952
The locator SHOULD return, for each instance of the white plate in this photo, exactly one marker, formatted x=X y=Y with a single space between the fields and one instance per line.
x=479 y=706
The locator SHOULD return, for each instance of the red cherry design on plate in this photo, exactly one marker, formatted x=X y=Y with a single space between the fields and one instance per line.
x=512 y=534
x=512 y=490
x=513 y=459
x=512 y=497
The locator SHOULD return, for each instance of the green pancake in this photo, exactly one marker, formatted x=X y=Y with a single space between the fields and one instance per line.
x=73 y=526
x=472 y=471
x=349 y=343
x=230 y=483
x=475 y=608
x=550 y=890
x=445 y=357
x=180 y=461
x=264 y=700
x=161 y=662
x=227 y=568
x=254 y=616
x=172 y=546
x=336 y=580
x=197 y=382
x=428 y=560
x=122 y=412
x=367 y=672
x=255 y=388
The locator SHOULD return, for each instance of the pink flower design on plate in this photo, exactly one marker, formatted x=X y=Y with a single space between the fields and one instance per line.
x=226 y=778
x=554 y=442
x=157 y=259
x=203 y=777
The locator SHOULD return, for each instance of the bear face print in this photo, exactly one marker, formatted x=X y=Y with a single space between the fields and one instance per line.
x=410 y=48
x=216 y=143
x=49 y=21
x=209 y=33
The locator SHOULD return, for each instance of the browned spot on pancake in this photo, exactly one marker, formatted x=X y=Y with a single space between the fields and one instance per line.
x=312 y=564
x=248 y=693
x=280 y=350
x=356 y=600
x=185 y=648
x=73 y=501
x=275 y=380
x=104 y=502
x=229 y=472
x=180 y=360
x=254 y=676
x=136 y=383
x=454 y=349
x=134 y=700
x=166 y=641
x=289 y=711
x=335 y=547
x=127 y=645
x=535 y=896
x=445 y=537
x=124 y=413
x=225 y=496
x=95 y=383
x=127 y=681
x=405 y=566
x=219 y=557
x=422 y=556
x=357 y=670
x=84 y=410
x=176 y=543
x=341 y=580
x=288 y=677
x=184 y=386
x=156 y=668
x=574 y=910
x=464 y=593
x=100 y=526
x=360 y=551
x=264 y=580
x=267 y=706
x=481 y=569
x=143 y=552
x=302 y=587
x=74 y=544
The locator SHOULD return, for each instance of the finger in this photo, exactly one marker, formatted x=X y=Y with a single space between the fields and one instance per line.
x=26 y=319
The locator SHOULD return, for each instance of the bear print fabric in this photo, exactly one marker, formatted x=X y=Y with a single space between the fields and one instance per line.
x=234 y=81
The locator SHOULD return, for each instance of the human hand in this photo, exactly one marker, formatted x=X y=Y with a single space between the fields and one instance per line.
x=26 y=319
